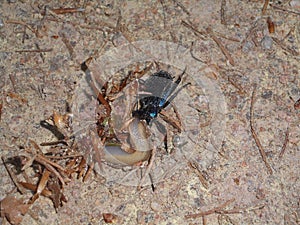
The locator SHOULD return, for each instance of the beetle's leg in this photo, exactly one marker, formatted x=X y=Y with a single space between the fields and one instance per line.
x=174 y=95
x=161 y=128
x=174 y=85
x=180 y=76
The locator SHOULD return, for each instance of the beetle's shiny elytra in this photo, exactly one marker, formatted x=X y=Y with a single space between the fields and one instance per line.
x=160 y=87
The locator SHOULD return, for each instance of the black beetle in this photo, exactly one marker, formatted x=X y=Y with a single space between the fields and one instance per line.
x=160 y=87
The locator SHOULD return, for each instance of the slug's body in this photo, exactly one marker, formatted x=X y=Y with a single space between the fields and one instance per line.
x=139 y=142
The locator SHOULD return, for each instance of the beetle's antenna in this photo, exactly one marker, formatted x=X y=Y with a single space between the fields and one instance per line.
x=176 y=93
x=180 y=76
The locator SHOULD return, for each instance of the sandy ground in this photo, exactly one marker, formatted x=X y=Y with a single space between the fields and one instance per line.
x=241 y=55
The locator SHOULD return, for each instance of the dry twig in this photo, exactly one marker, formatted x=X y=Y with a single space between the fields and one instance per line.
x=195 y=167
x=264 y=9
x=182 y=7
x=231 y=80
x=24 y=24
x=227 y=37
x=1 y=106
x=67 y=10
x=68 y=45
x=221 y=46
x=284 y=47
x=198 y=33
x=240 y=210
x=286 y=140
x=12 y=79
x=47 y=163
x=211 y=211
x=286 y=10
x=257 y=141
x=35 y=50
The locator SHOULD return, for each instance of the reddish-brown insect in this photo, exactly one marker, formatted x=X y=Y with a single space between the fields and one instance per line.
x=271 y=25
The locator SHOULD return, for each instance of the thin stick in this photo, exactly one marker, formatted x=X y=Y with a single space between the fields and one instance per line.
x=204 y=220
x=211 y=211
x=257 y=141
x=286 y=140
x=182 y=7
x=1 y=106
x=22 y=23
x=40 y=157
x=264 y=9
x=285 y=10
x=226 y=37
x=284 y=47
x=50 y=168
x=289 y=33
x=149 y=166
x=237 y=86
x=67 y=10
x=13 y=81
x=68 y=45
x=35 y=50
x=195 y=167
x=64 y=156
x=221 y=46
x=164 y=14
x=198 y=33
x=240 y=210
x=54 y=143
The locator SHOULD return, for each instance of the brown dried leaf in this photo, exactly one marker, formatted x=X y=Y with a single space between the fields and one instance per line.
x=13 y=209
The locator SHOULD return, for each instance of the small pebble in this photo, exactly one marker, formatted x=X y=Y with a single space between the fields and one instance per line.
x=267 y=94
x=177 y=141
x=155 y=206
x=267 y=42
x=247 y=46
